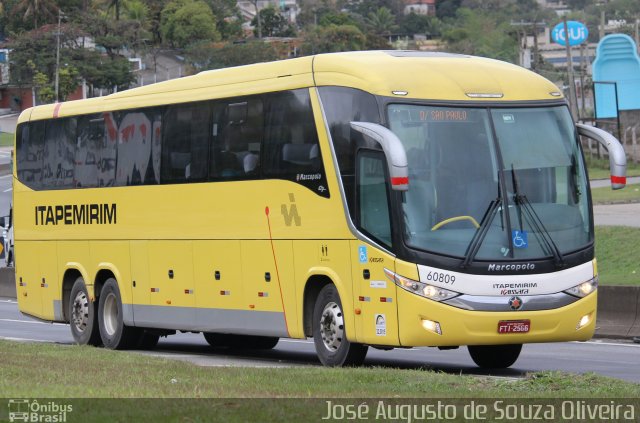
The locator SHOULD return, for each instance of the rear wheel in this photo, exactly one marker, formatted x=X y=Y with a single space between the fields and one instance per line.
x=495 y=356
x=114 y=333
x=329 y=336
x=224 y=340
x=83 y=318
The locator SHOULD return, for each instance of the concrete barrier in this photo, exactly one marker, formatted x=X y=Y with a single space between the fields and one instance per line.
x=7 y=282
x=618 y=312
x=618 y=307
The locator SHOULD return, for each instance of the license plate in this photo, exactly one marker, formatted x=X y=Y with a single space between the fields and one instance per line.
x=514 y=326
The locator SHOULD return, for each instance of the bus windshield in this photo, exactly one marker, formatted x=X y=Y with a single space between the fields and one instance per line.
x=513 y=175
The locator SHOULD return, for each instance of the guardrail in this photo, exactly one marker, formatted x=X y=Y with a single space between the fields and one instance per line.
x=618 y=307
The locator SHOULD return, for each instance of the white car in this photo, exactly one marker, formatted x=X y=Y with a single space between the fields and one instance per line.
x=6 y=222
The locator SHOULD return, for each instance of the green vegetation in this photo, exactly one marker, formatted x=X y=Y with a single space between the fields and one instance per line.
x=204 y=32
x=6 y=139
x=617 y=250
x=605 y=195
x=82 y=371
x=599 y=168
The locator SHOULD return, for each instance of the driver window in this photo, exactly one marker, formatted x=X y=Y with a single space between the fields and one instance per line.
x=373 y=200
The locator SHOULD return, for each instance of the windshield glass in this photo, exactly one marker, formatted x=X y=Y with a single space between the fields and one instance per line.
x=463 y=160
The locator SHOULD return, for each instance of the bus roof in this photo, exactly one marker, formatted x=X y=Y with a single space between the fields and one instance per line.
x=410 y=74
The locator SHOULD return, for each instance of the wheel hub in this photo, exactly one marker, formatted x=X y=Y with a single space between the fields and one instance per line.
x=110 y=314
x=80 y=311
x=332 y=326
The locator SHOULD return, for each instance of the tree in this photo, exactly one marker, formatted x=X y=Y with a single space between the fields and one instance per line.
x=32 y=55
x=273 y=24
x=228 y=16
x=421 y=24
x=47 y=10
x=480 y=33
x=203 y=55
x=258 y=17
x=184 y=22
x=333 y=38
x=382 y=21
x=447 y=8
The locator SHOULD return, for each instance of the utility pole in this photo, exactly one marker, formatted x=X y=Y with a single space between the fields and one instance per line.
x=572 y=83
x=57 y=82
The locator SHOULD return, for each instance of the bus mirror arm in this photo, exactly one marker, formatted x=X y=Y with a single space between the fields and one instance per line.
x=617 y=157
x=393 y=150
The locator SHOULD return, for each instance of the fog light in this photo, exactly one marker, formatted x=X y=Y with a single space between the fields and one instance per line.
x=432 y=326
x=584 y=321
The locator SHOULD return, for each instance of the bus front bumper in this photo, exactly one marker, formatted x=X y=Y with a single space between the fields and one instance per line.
x=424 y=322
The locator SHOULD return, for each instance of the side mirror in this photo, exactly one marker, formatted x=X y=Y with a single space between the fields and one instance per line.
x=617 y=157
x=393 y=150
x=3 y=220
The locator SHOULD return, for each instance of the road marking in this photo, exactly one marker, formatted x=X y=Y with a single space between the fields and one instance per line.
x=10 y=338
x=32 y=322
x=297 y=341
x=614 y=344
x=7 y=190
x=5 y=176
x=8 y=301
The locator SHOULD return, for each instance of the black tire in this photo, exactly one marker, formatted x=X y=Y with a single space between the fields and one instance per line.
x=495 y=356
x=249 y=342
x=148 y=340
x=114 y=333
x=83 y=318
x=329 y=335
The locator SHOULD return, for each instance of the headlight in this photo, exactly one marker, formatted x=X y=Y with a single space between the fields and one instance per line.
x=584 y=289
x=424 y=290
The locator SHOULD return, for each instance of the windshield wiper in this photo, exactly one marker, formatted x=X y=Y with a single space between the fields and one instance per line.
x=483 y=229
x=544 y=237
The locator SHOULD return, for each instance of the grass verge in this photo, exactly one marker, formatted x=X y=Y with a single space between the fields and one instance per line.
x=34 y=370
x=55 y=371
x=618 y=253
x=599 y=168
x=6 y=139
x=605 y=195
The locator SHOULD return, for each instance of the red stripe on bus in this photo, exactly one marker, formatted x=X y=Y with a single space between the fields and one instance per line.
x=56 y=110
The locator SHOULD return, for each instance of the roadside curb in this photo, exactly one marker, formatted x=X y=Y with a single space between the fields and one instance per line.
x=618 y=307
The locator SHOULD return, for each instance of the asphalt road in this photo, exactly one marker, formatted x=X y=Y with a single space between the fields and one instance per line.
x=618 y=359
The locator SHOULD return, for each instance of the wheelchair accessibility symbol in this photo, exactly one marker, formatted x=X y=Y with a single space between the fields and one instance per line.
x=362 y=252
x=520 y=239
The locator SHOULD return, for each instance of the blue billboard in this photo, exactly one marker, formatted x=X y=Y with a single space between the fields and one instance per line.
x=578 y=33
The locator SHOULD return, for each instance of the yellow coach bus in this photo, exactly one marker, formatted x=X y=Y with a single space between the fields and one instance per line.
x=384 y=199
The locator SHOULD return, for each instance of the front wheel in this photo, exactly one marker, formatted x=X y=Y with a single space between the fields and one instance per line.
x=329 y=336
x=114 y=333
x=495 y=356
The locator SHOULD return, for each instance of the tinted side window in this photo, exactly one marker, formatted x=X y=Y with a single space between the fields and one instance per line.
x=29 y=151
x=342 y=106
x=185 y=143
x=291 y=149
x=238 y=128
x=373 y=200
x=90 y=142
x=59 y=154
x=135 y=157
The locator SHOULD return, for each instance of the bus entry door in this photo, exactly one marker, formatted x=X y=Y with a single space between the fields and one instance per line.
x=375 y=300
